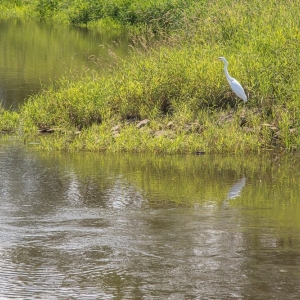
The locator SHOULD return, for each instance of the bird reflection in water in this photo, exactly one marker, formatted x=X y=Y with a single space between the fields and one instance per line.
x=235 y=190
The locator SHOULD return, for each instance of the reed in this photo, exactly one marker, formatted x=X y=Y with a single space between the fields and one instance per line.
x=9 y=121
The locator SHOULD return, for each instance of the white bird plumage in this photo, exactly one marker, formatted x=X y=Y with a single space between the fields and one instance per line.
x=234 y=84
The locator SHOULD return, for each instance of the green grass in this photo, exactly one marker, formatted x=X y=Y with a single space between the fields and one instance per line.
x=152 y=15
x=178 y=80
x=9 y=121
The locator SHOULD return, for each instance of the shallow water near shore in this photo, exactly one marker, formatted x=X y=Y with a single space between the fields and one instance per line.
x=90 y=225
x=35 y=54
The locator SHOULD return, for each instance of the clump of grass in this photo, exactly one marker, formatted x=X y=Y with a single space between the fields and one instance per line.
x=9 y=121
x=15 y=8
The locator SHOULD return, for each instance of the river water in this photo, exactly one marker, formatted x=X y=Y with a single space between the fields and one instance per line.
x=99 y=226
x=34 y=54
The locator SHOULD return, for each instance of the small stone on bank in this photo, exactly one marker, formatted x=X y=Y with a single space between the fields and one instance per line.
x=142 y=123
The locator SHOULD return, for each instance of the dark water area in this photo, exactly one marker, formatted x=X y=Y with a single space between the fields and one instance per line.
x=99 y=226
x=34 y=54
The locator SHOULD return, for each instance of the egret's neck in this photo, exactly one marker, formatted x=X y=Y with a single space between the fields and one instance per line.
x=226 y=72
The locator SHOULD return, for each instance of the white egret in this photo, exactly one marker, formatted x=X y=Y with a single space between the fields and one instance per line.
x=235 y=85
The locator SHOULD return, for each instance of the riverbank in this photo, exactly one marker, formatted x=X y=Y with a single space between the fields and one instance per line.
x=174 y=98
x=135 y=15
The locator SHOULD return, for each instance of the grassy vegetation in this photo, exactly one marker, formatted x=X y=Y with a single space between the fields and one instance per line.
x=152 y=15
x=179 y=86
